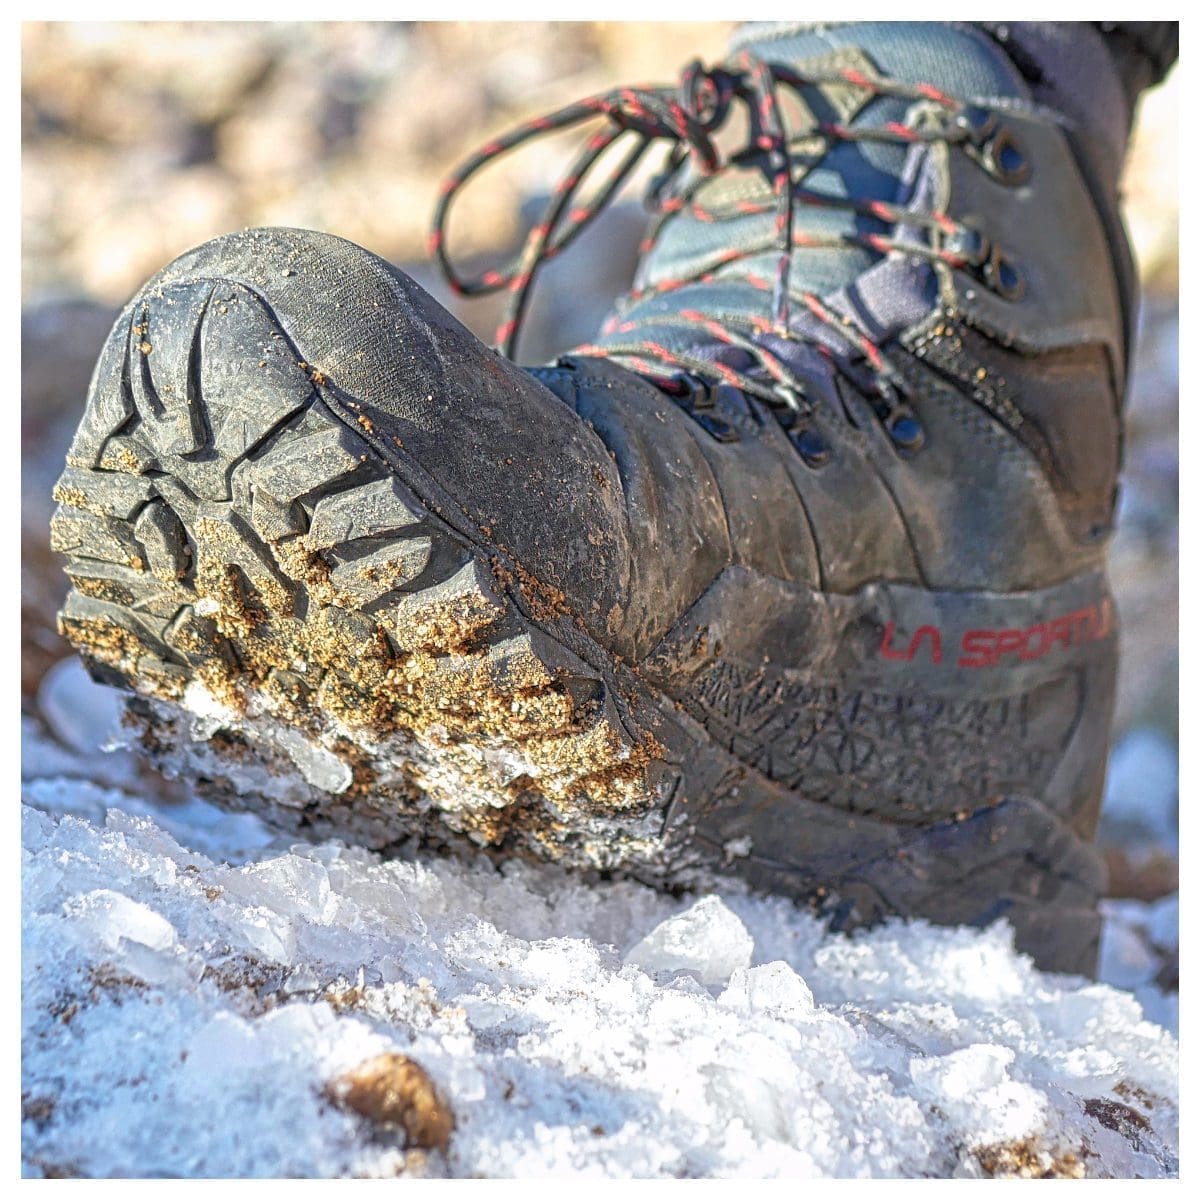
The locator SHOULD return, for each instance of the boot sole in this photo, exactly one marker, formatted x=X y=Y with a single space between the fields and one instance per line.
x=302 y=632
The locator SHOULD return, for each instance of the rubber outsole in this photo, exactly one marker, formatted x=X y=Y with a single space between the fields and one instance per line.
x=248 y=557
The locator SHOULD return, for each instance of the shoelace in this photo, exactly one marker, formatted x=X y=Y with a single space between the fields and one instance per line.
x=688 y=116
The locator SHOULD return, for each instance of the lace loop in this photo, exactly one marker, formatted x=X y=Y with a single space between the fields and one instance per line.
x=686 y=117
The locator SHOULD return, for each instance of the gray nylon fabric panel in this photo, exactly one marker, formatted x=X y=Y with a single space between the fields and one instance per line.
x=896 y=293
x=892 y=296
x=956 y=58
x=953 y=57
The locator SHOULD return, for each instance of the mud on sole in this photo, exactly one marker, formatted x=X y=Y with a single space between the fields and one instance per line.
x=303 y=634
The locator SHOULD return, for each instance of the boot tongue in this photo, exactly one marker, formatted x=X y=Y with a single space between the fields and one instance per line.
x=956 y=60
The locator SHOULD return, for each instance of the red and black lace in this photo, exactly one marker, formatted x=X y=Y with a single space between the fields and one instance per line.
x=688 y=116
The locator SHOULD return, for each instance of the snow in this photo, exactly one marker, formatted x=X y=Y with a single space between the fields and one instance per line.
x=196 y=992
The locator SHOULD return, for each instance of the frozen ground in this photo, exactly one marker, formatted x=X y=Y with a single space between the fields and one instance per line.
x=200 y=999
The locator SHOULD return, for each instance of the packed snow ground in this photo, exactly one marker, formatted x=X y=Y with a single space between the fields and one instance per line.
x=194 y=991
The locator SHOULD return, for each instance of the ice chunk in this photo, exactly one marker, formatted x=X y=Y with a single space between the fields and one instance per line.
x=320 y=767
x=112 y=917
x=707 y=939
x=773 y=988
x=223 y=1045
x=291 y=884
x=964 y=1072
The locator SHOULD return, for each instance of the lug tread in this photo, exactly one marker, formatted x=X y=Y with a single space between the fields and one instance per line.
x=227 y=529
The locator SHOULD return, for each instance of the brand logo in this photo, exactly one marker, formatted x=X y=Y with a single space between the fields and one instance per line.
x=991 y=647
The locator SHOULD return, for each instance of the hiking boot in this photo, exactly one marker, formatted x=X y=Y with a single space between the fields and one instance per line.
x=796 y=574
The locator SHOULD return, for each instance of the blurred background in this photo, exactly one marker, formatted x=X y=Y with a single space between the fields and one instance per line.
x=141 y=140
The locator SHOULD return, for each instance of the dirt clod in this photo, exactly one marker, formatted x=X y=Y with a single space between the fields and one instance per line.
x=393 y=1091
x=1120 y=1118
x=1028 y=1159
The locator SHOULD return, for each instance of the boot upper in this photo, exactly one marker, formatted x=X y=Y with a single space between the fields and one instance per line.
x=624 y=486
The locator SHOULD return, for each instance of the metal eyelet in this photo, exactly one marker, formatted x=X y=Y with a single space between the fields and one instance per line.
x=715 y=427
x=906 y=431
x=1003 y=276
x=968 y=244
x=687 y=391
x=977 y=122
x=698 y=398
x=1004 y=158
x=814 y=449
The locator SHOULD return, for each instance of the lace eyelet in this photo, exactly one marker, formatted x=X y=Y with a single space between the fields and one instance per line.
x=698 y=398
x=1005 y=160
x=977 y=122
x=1003 y=276
x=814 y=449
x=722 y=431
x=968 y=244
x=906 y=431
